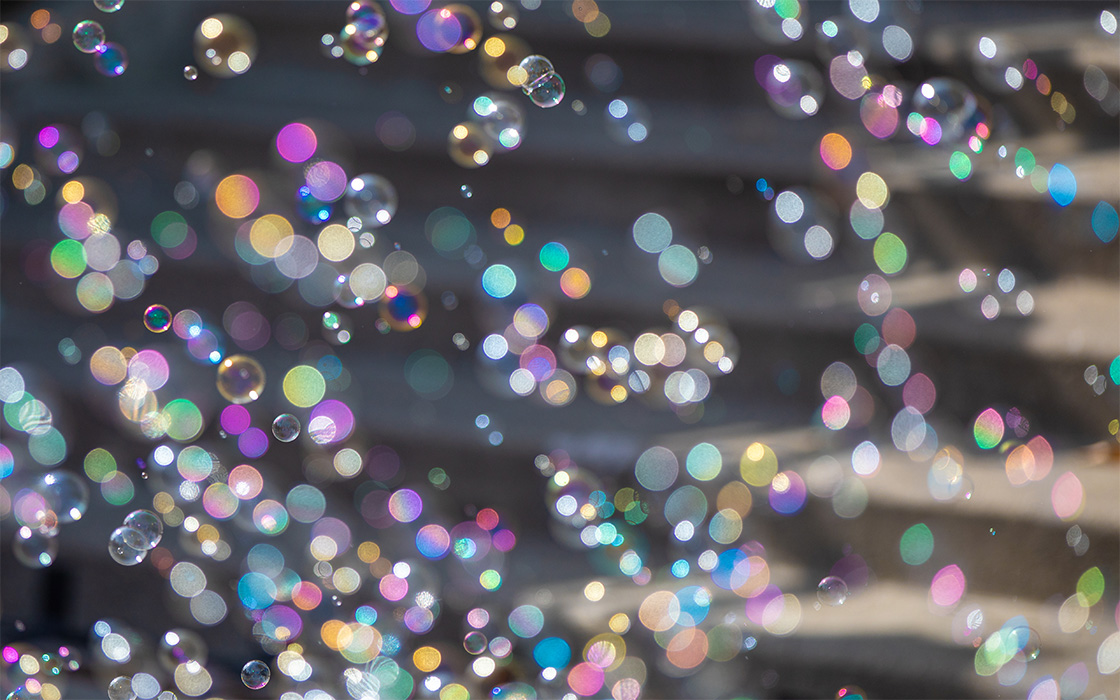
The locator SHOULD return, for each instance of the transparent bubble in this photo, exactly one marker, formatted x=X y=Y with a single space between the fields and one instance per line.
x=34 y=549
x=951 y=104
x=225 y=45
x=832 y=590
x=88 y=36
x=470 y=27
x=108 y=5
x=366 y=21
x=535 y=68
x=795 y=89
x=371 y=198
x=180 y=646
x=65 y=493
x=126 y=546
x=546 y=92
x=286 y=427
x=190 y=72
x=240 y=379
x=15 y=50
x=255 y=674
x=110 y=59
x=148 y=524
x=502 y=15
x=120 y=688
x=469 y=146
x=157 y=318
x=627 y=120
x=354 y=49
x=501 y=119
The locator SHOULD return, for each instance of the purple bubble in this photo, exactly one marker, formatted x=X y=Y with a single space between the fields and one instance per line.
x=326 y=181
x=253 y=443
x=410 y=7
x=296 y=142
x=439 y=30
x=339 y=415
x=382 y=463
x=787 y=493
x=433 y=542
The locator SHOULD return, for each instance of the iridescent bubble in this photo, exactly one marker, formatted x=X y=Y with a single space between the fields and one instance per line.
x=535 y=67
x=794 y=88
x=190 y=72
x=546 y=92
x=502 y=15
x=108 y=5
x=34 y=549
x=225 y=45
x=366 y=22
x=148 y=524
x=286 y=427
x=371 y=198
x=120 y=688
x=832 y=591
x=255 y=674
x=469 y=145
x=66 y=494
x=157 y=318
x=240 y=379
x=951 y=106
x=110 y=59
x=126 y=546
x=88 y=36
x=501 y=119
x=627 y=120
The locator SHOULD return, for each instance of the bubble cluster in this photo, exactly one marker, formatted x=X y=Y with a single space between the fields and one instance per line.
x=539 y=81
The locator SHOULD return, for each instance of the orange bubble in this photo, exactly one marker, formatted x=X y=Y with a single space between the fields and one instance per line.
x=688 y=648
x=836 y=152
x=237 y=196
x=1043 y=458
x=1020 y=464
x=575 y=283
x=500 y=218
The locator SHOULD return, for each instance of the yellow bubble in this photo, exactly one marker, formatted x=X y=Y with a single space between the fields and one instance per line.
x=336 y=242
x=23 y=176
x=872 y=191
x=594 y=591
x=237 y=196
x=108 y=365
x=73 y=192
x=758 y=465
x=271 y=235
x=304 y=386
x=494 y=46
x=514 y=234
x=517 y=75
x=619 y=623
x=426 y=659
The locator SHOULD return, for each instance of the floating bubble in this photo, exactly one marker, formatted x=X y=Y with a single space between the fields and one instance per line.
x=836 y=152
x=546 y=92
x=950 y=106
x=35 y=549
x=503 y=15
x=1062 y=185
x=988 y=429
x=88 y=36
x=832 y=591
x=241 y=379
x=108 y=6
x=190 y=72
x=627 y=120
x=255 y=674
x=794 y=89
x=126 y=546
x=65 y=493
x=286 y=427
x=110 y=59
x=225 y=45
x=148 y=524
x=120 y=688
x=157 y=318
x=501 y=119
x=469 y=146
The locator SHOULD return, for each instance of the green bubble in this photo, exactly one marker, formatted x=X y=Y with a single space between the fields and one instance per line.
x=704 y=462
x=99 y=465
x=47 y=448
x=184 y=420
x=118 y=490
x=304 y=386
x=1024 y=159
x=491 y=580
x=448 y=230
x=1091 y=586
x=916 y=545
x=68 y=258
x=890 y=253
x=866 y=339
x=169 y=229
x=428 y=374
x=960 y=165
x=866 y=222
x=788 y=9
x=554 y=256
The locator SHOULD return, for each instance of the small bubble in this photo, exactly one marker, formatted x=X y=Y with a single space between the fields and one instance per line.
x=190 y=72
x=466 y=191
x=832 y=590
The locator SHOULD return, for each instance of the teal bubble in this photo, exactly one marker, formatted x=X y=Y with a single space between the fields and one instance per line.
x=428 y=374
x=1114 y=370
x=1105 y=222
x=1062 y=185
x=554 y=256
x=867 y=339
x=704 y=462
x=552 y=652
x=916 y=545
x=960 y=165
x=499 y=281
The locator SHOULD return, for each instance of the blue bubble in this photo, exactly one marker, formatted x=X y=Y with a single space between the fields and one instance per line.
x=1105 y=222
x=499 y=281
x=1062 y=185
x=552 y=652
x=680 y=568
x=256 y=591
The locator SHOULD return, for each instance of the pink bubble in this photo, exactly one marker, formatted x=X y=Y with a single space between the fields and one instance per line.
x=393 y=588
x=48 y=137
x=1045 y=689
x=948 y=586
x=433 y=542
x=74 y=218
x=1067 y=496
x=405 y=505
x=150 y=367
x=326 y=180
x=835 y=413
x=235 y=419
x=504 y=540
x=930 y=131
x=586 y=679
x=919 y=393
x=296 y=142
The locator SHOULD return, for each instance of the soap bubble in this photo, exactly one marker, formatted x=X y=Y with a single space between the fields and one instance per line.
x=535 y=68
x=365 y=20
x=110 y=59
x=126 y=546
x=794 y=88
x=503 y=14
x=157 y=318
x=371 y=198
x=469 y=146
x=34 y=549
x=148 y=525
x=179 y=646
x=88 y=36
x=240 y=379
x=65 y=493
x=832 y=590
x=950 y=104
x=108 y=5
x=120 y=688
x=501 y=119
x=255 y=674
x=225 y=45
x=190 y=72
x=546 y=92
x=286 y=427
x=627 y=120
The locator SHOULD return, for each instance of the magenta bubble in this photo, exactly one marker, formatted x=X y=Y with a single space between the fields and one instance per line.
x=540 y=361
x=296 y=142
x=151 y=367
x=48 y=137
x=339 y=415
x=235 y=419
x=504 y=540
x=433 y=542
x=756 y=606
x=947 y=586
x=382 y=463
x=787 y=496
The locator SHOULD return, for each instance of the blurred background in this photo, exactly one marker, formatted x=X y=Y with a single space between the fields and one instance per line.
x=739 y=349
